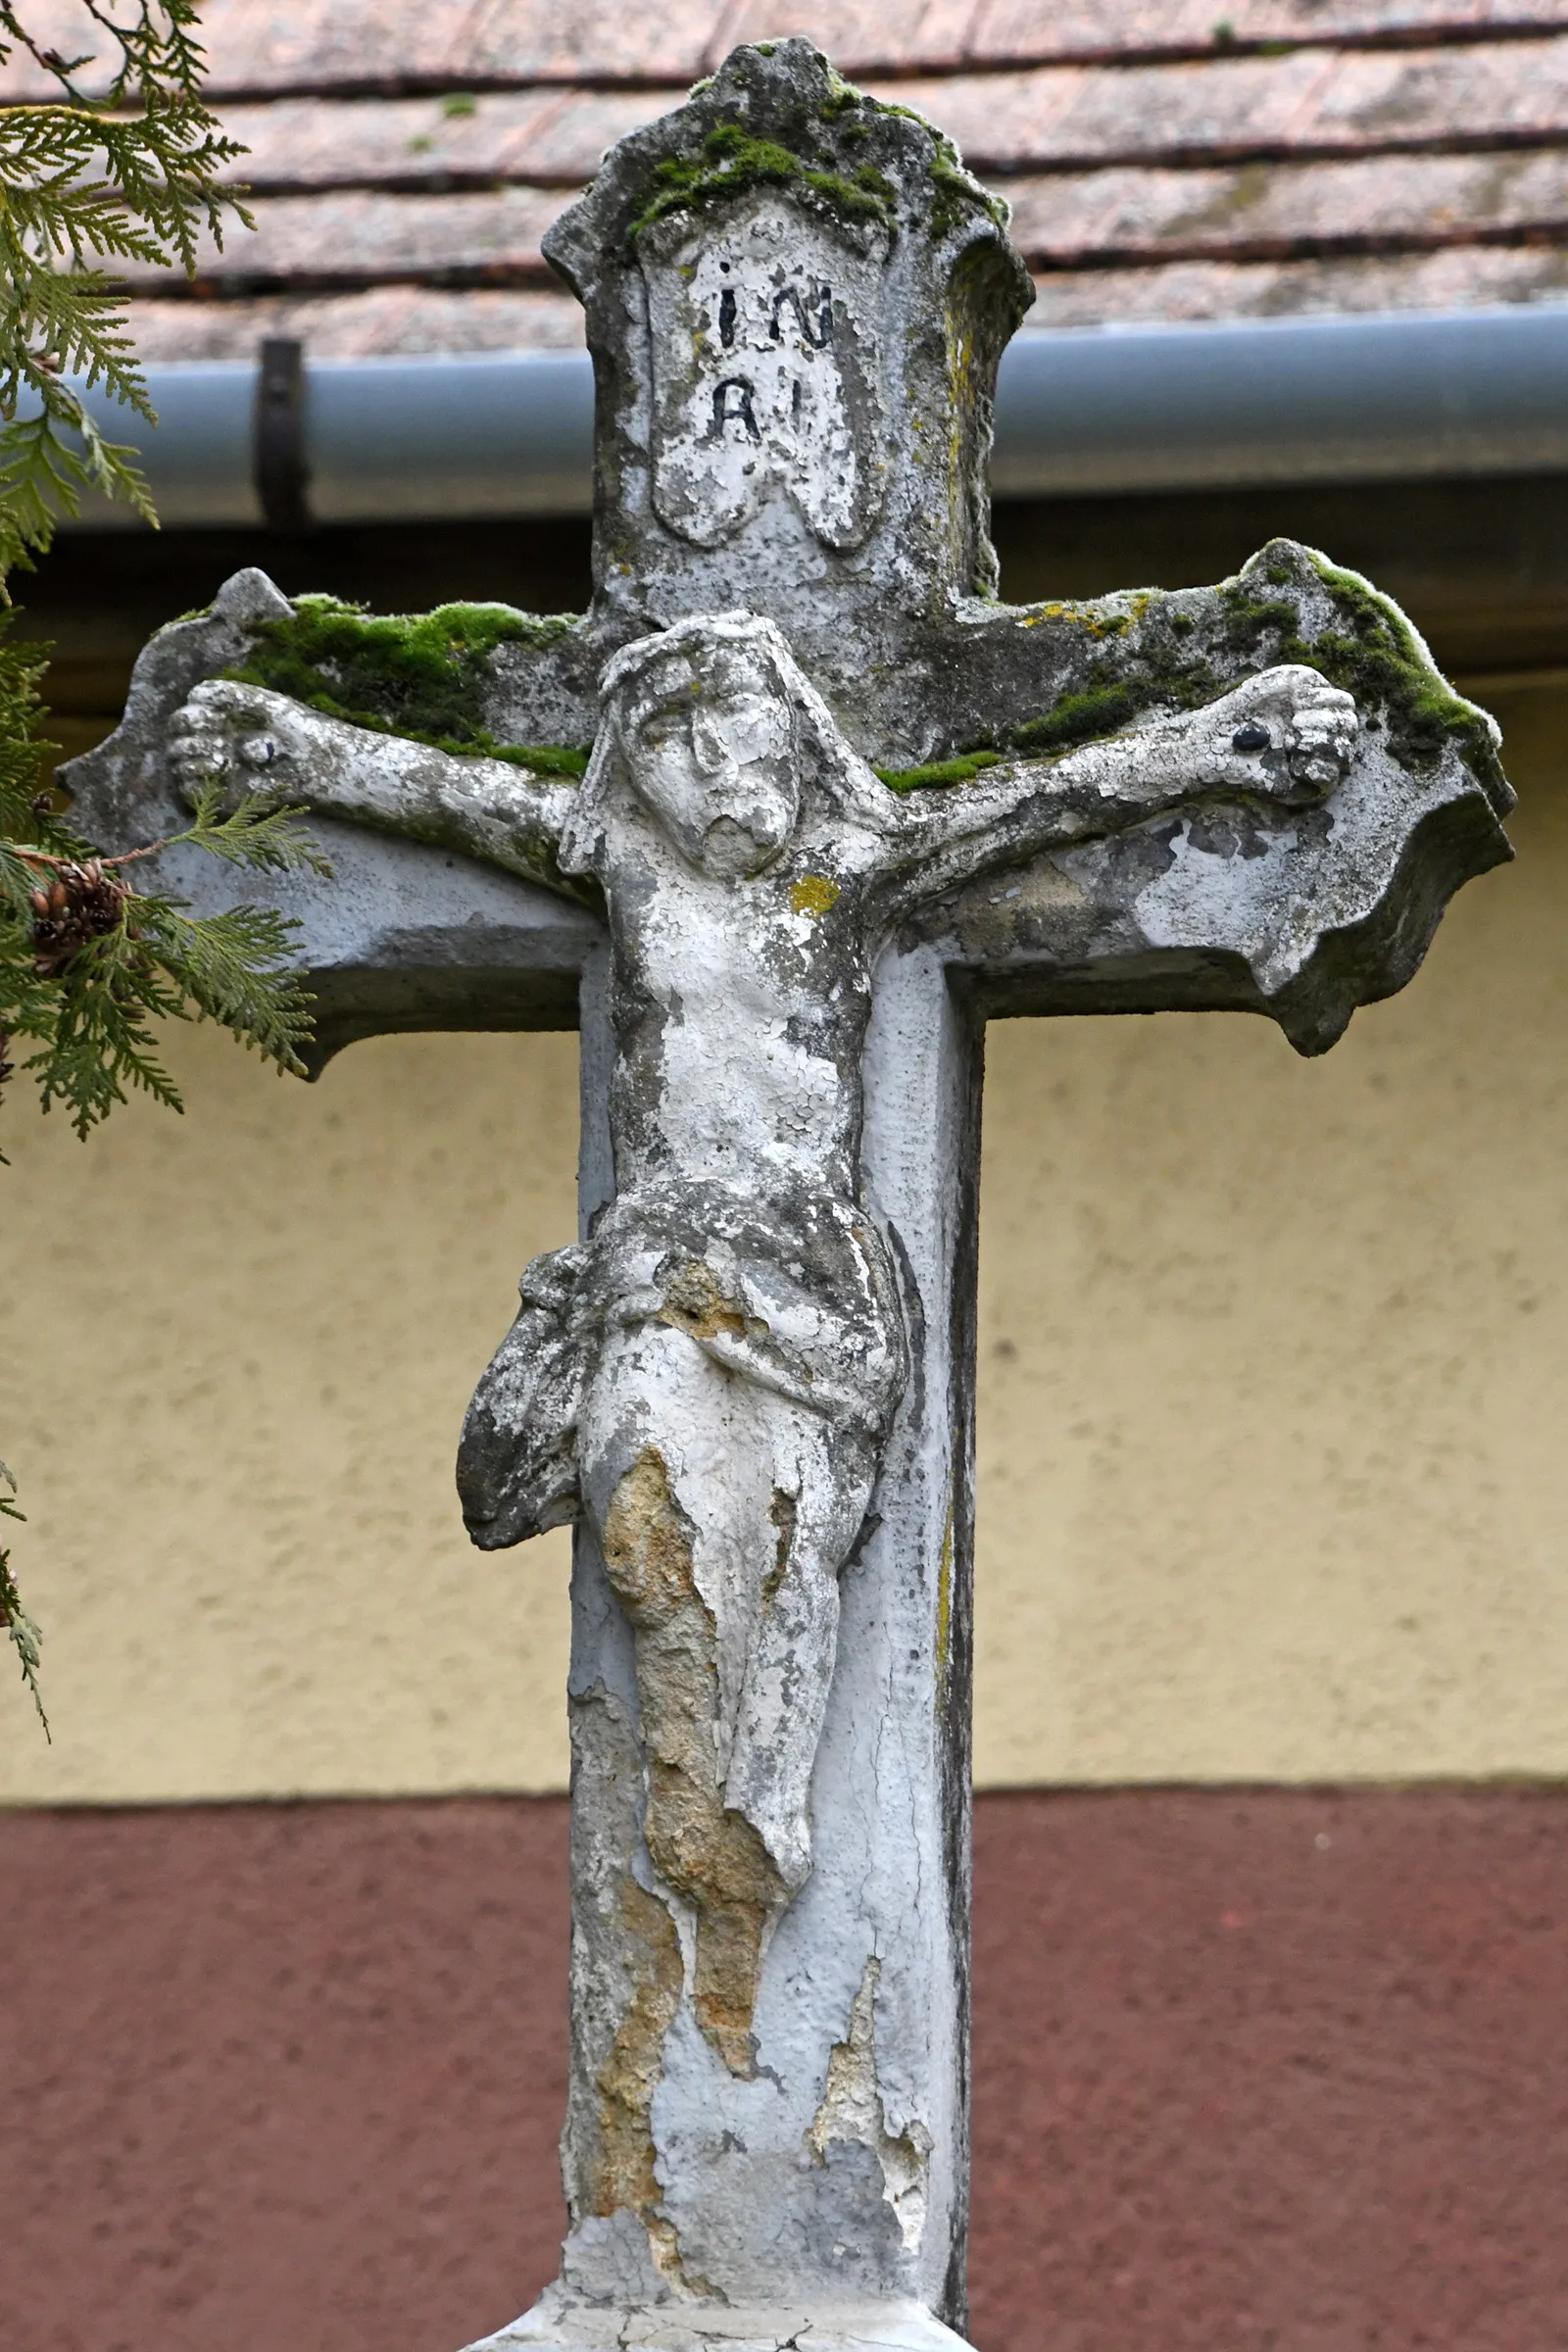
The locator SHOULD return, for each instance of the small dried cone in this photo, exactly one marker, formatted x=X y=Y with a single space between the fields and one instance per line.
x=80 y=904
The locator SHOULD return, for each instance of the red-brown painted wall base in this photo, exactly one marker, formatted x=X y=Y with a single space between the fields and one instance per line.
x=1264 y=2072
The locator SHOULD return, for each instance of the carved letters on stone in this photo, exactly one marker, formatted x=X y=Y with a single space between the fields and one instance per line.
x=765 y=335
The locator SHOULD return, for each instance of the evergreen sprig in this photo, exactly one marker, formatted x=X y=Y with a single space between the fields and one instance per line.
x=129 y=170
x=122 y=164
x=23 y=1633
x=89 y=963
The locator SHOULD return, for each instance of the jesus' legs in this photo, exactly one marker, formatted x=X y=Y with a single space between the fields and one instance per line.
x=823 y=1485
x=712 y=1503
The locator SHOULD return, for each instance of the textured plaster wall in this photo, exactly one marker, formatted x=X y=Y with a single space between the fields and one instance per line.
x=1274 y=1366
x=237 y=1350
x=1259 y=2071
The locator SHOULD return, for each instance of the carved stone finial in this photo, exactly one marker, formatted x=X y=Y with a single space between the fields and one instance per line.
x=796 y=297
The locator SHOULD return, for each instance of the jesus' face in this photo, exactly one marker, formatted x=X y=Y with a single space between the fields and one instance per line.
x=713 y=756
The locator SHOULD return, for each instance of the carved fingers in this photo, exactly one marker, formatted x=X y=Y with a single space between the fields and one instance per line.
x=244 y=739
x=1286 y=734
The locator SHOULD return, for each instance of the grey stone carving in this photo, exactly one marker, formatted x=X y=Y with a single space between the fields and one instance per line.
x=749 y=1381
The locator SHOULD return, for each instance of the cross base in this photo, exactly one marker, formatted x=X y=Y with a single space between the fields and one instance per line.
x=558 y=2322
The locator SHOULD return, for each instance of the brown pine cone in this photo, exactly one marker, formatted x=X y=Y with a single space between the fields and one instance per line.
x=80 y=904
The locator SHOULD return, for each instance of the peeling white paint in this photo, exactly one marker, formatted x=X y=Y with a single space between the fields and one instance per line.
x=851 y=2109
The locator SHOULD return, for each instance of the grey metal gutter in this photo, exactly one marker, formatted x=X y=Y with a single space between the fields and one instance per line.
x=1388 y=397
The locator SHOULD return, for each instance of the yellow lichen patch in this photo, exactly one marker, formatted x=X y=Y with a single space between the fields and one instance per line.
x=624 y=2175
x=695 y=1302
x=1095 y=625
x=699 y=1846
x=944 y=1615
x=813 y=894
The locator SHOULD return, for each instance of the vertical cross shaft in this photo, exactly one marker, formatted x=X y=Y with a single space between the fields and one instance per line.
x=829 y=2192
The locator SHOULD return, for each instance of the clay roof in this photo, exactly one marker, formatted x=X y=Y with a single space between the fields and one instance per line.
x=1198 y=159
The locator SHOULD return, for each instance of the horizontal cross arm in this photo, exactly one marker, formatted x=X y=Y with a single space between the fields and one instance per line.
x=404 y=935
x=1280 y=739
x=1300 y=916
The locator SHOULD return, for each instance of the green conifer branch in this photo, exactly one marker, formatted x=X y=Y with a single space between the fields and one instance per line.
x=23 y=1633
x=123 y=164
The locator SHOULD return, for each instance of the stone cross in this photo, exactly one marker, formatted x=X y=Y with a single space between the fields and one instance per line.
x=842 y=805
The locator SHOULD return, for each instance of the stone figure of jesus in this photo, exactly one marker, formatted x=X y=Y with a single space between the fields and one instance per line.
x=710 y=1378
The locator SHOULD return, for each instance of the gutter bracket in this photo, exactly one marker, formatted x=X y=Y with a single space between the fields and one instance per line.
x=280 y=472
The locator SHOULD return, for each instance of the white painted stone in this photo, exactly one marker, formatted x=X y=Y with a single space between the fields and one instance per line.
x=815 y=2327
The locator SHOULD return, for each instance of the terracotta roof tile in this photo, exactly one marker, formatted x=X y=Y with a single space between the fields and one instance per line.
x=1312 y=102
x=271 y=46
x=350 y=239
x=394 y=321
x=868 y=35
x=256 y=47
x=1459 y=278
x=1320 y=153
x=1087 y=219
x=1084 y=220
x=381 y=322
x=548 y=137
x=1028 y=31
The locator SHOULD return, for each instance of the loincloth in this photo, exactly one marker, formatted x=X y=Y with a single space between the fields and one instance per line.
x=798 y=1295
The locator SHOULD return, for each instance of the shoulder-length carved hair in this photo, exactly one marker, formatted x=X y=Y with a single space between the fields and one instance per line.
x=628 y=692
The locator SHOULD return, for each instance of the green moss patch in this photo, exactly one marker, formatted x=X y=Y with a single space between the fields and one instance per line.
x=957 y=194
x=1377 y=656
x=1073 y=718
x=817 y=146
x=1178 y=659
x=961 y=770
x=425 y=675
x=730 y=160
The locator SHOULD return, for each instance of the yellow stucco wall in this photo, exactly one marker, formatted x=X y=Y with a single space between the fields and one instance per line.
x=1274 y=1366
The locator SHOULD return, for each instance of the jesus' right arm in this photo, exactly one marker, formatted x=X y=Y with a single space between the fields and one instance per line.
x=248 y=740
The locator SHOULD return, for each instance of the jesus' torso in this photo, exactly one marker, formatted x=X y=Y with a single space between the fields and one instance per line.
x=740 y=1011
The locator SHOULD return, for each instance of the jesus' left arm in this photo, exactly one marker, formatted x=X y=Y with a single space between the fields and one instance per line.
x=1284 y=736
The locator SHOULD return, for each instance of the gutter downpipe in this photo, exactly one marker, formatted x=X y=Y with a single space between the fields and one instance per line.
x=1400 y=396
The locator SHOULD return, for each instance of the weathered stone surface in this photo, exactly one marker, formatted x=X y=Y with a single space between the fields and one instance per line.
x=750 y=1381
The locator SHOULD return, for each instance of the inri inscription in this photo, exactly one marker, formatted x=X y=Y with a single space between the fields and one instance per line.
x=766 y=338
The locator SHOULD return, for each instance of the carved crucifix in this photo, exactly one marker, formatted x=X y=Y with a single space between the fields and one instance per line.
x=749 y=1384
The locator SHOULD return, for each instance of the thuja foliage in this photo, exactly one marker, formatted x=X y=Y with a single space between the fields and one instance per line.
x=25 y=1636
x=122 y=162
x=89 y=963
